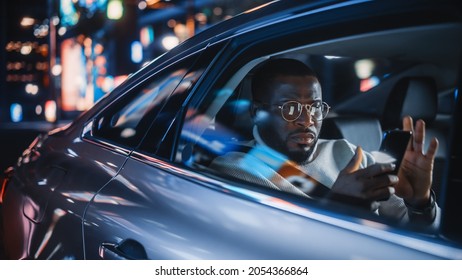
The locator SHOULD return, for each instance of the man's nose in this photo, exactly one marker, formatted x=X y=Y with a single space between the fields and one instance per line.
x=305 y=119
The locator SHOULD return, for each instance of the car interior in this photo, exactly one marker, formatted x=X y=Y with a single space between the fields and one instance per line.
x=415 y=72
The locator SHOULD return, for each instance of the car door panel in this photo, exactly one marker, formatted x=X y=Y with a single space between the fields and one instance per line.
x=53 y=198
x=175 y=214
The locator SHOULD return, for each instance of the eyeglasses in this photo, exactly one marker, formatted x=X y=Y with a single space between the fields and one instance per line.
x=292 y=110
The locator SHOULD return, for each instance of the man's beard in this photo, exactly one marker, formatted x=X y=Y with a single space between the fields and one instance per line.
x=301 y=157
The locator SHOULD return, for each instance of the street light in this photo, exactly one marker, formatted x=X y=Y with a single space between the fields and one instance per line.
x=115 y=9
x=27 y=21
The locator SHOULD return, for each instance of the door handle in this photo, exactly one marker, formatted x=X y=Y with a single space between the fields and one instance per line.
x=128 y=249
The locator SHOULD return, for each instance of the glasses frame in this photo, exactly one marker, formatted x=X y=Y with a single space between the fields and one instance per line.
x=306 y=106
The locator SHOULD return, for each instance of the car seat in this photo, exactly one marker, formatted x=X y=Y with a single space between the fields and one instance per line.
x=361 y=130
x=413 y=96
x=418 y=97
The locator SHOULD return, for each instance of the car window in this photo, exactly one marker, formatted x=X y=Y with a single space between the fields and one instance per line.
x=369 y=89
x=208 y=126
x=126 y=121
x=168 y=114
x=160 y=140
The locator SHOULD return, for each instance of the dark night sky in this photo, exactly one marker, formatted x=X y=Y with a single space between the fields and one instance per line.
x=15 y=10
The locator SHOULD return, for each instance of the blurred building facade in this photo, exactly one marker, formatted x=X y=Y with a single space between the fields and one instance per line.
x=61 y=56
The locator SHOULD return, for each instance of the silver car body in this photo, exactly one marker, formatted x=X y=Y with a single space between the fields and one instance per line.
x=76 y=195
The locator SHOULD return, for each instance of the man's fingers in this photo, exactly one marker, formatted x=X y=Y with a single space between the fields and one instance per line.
x=407 y=123
x=419 y=136
x=432 y=148
x=408 y=126
x=380 y=194
x=380 y=187
x=376 y=170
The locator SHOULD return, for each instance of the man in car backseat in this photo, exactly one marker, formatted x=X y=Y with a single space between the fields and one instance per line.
x=286 y=153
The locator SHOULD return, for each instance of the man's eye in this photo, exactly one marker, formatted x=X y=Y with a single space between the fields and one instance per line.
x=317 y=104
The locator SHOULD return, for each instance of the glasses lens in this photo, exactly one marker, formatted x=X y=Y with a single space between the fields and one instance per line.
x=324 y=109
x=291 y=110
x=316 y=110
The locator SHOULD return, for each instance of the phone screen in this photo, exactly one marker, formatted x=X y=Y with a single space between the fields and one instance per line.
x=393 y=147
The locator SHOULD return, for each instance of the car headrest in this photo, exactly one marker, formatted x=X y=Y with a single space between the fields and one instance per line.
x=413 y=96
x=361 y=131
x=235 y=113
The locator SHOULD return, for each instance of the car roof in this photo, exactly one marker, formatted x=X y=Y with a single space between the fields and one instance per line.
x=266 y=14
x=272 y=13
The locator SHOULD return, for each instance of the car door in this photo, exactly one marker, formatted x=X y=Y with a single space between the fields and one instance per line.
x=64 y=169
x=56 y=177
x=113 y=217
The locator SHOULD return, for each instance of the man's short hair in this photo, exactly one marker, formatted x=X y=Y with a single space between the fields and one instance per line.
x=266 y=72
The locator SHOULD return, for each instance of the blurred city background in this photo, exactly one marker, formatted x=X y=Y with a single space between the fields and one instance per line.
x=62 y=56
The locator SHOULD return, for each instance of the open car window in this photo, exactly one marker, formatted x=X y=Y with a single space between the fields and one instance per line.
x=370 y=89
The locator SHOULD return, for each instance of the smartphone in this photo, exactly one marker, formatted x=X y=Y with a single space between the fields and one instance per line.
x=393 y=147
